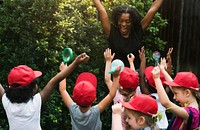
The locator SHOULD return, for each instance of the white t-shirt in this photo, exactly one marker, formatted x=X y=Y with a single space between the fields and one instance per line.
x=163 y=123
x=23 y=116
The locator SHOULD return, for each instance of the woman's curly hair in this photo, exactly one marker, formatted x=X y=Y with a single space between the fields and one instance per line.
x=134 y=15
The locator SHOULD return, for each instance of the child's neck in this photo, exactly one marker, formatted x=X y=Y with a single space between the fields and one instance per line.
x=193 y=103
x=84 y=109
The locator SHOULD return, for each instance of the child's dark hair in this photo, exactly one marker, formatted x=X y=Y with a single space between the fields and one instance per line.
x=150 y=88
x=134 y=15
x=21 y=94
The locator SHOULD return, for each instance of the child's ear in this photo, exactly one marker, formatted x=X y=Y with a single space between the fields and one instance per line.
x=141 y=121
x=187 y=92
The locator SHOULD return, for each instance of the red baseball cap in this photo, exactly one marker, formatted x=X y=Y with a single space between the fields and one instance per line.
x=23 y=75
x=84 y=93
x=149 y=76
x=128 y=79
x=142 y=103
x=186 y=80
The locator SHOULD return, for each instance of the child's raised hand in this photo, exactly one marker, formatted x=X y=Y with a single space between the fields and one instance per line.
x=62 y=66
x=117 y=108
x=168 y=57
x=108 y=55
x=163 y=64
x=169 y=54
x=82 y=58
x=156 y=72
x=131 y=58
x=142 y=53
x=117 y=71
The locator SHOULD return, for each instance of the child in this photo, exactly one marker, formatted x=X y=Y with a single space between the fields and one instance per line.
x=141 y=112
x=150 y=84
x=185 y=87
x=21 y=101
x=84 y=116
x=147 y=86
x=128 y=80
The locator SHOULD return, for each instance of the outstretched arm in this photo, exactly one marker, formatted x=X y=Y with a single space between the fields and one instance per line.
x=64 y=94
x=164 y=99
x=108 y=99
x=163 y=66
x=62 y=88
x=103 y=17
x=143 y=87
x=108 y=57
x=47 y=90
x=151 y=13
x=163 y=69
x=117 y=110
x=1 y=91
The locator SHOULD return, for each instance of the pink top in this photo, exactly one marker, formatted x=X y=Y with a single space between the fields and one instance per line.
x=195 y=120
x=118 y=98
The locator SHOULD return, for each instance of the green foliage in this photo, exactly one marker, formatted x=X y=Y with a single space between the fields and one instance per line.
x=152 y=40
x=34 y=32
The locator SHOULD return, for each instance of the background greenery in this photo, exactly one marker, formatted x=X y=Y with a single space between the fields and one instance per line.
x=34 y=32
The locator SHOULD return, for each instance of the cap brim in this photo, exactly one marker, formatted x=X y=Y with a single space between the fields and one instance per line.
x=171 y=83
x=37 y=74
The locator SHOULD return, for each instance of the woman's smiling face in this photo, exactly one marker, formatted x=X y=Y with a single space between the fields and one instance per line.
x=124 y=24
